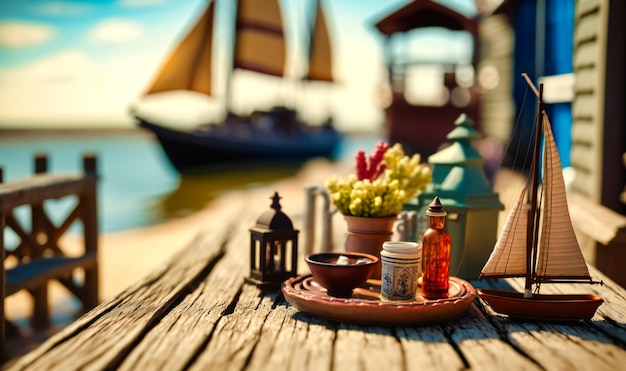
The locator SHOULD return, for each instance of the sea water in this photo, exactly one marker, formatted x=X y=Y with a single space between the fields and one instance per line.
x=137 y=187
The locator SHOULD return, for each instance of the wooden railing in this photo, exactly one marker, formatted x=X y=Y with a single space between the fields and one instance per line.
x=601 y=233
x=38 y=257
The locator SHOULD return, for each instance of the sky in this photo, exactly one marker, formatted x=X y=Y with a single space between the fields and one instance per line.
x=75 y=64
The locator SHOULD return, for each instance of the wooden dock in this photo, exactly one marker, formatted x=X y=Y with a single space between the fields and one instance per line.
x=195 y=311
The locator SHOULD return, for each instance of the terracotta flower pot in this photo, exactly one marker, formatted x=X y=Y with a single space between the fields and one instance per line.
x=367 y=235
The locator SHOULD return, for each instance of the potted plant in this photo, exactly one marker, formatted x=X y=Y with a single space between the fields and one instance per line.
x=371 y=198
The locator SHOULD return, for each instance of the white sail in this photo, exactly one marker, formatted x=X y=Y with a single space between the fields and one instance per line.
x=559 y=254
x=508 y=258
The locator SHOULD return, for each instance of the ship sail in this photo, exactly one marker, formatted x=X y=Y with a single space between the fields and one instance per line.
x=259 y=40
x=189 y=66
x=559 y=254
x=508 y=258
x=259 y=46
x=320 y=53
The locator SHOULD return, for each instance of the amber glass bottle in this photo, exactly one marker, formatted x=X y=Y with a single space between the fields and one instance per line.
x=436 y=254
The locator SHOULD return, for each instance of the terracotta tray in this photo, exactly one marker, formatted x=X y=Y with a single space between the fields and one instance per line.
x=365 y=306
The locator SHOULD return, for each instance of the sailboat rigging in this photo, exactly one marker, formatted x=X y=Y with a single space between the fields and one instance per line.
x=259 y=45
x=538 y=242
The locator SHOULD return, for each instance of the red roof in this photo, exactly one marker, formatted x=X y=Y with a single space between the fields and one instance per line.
x=425 y=13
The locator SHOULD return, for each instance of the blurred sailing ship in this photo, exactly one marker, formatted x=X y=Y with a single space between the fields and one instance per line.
x=274 y=135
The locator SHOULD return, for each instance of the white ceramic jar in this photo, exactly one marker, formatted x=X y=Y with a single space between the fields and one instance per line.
x=401 y=265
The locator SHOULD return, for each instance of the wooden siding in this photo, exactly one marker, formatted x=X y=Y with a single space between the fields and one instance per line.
x=587 y=106
x=496 y=50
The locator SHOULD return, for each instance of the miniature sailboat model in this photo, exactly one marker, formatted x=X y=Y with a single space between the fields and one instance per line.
x=538 y=242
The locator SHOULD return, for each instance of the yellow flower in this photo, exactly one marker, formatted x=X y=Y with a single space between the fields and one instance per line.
x=384 y=196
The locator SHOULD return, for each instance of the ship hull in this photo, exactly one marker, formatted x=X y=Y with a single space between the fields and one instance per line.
x=542 y=307
x=195 y=150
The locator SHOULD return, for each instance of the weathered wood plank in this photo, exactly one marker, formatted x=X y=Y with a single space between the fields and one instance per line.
x=41 y=187
x=428 y=348
x=558 y=346
x=104 y=336
x=366 y=348
x=483 y=346
x=293 y=340
x=199 y=314
x=562 y=347
x=594 y=220
x=237 y=333
x=39 y=271
x=610 y=318
x=193 y=320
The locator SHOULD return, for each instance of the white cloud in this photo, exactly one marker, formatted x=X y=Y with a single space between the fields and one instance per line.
x=49 y=88
x=140 y=3
x=70 y=89
x=23 y=34
x=59 y=68
x=116 y=31
x=64 y=8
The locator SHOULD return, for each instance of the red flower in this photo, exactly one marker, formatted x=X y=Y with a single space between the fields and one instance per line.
x=373 y=168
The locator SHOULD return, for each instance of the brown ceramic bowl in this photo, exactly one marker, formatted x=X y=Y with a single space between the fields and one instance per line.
x=340 y=279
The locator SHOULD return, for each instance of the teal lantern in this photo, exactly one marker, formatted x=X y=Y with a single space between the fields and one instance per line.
x=460 y=183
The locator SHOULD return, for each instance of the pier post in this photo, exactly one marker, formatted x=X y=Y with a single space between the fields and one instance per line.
x=41 y=311
x=90 y=233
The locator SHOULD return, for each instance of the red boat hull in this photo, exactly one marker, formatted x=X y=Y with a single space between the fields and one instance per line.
x=542 y=307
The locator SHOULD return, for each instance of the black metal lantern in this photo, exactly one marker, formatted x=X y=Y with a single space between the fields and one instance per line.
x=273 y=247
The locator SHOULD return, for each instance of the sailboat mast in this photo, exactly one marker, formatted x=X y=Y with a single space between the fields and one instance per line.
x=228 y=90
x=311 y=15
x=532 y=231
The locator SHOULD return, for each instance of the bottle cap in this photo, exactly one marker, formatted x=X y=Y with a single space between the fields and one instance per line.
x=435 y=208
